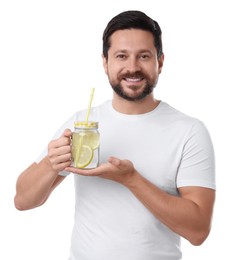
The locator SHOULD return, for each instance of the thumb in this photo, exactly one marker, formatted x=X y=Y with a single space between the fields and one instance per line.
x=114 y=161
x=67 y=133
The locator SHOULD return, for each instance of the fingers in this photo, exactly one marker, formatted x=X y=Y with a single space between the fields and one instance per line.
x=61 y=154
x=58 y=167
x=59 y=151
x=60 y=158
x=59 y=147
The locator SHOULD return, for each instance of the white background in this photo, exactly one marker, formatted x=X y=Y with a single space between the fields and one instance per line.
x=50 y=57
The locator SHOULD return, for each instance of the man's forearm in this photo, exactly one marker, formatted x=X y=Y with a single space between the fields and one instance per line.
x=34 y=185
x=187 y=215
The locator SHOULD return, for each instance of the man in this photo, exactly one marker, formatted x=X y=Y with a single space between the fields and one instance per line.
x=156 y=180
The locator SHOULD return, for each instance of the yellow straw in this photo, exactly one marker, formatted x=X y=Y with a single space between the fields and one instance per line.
x=89 y=105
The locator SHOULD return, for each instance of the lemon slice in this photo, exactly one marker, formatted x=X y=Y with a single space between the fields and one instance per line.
x=85 y=157
x=92 y=139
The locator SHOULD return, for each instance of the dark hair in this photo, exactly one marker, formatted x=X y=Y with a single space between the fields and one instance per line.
x=136 y=20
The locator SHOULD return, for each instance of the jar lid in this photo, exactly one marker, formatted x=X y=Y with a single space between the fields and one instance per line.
x=86 y=124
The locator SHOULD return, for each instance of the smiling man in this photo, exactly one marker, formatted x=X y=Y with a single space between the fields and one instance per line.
x=133 y=62
x=156 y=178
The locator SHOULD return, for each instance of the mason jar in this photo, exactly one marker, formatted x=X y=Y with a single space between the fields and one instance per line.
x=85 y=145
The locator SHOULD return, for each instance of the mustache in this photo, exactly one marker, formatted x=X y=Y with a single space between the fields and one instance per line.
x=137 y=74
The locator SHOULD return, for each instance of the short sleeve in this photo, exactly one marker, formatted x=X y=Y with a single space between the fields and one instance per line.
x=197 y=166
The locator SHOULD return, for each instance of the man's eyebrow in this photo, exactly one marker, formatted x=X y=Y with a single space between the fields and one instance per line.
x=139 y=51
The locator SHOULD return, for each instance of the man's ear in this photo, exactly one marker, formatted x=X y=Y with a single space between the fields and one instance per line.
x=161 y=61
x=105 y=64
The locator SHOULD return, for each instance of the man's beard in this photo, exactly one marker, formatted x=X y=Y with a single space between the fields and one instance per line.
x=148 y=89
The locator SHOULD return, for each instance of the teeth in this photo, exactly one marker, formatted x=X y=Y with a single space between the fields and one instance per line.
x=132 y=79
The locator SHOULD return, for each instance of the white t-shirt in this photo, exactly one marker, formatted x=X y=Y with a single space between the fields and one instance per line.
x=168 y=148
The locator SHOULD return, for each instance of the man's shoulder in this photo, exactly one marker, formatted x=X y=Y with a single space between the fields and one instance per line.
x=175 y=115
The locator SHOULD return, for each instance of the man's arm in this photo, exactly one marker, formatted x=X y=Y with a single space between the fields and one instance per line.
x=35 y=184
x=188 y=215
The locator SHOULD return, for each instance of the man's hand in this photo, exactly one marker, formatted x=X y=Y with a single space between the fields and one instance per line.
x=115 y=169
x=59 y=151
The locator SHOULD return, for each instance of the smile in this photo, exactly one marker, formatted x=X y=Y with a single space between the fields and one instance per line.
x=133 y=79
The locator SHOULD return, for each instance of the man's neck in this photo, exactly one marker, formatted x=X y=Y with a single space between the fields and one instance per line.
x=134 y=107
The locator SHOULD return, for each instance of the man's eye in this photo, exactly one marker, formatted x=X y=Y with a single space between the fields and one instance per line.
x=121 y=56
x=144 y=57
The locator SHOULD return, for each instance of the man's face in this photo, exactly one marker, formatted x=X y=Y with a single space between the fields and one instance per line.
x=132 y=65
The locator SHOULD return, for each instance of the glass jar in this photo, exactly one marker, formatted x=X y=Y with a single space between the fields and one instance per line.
x=85 y=145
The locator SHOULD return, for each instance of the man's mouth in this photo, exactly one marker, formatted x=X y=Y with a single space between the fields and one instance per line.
x=132 y=80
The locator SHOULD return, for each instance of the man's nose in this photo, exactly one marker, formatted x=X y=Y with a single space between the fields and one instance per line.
x=133 y=65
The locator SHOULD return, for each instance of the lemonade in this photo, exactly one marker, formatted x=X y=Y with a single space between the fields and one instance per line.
x=85 y=145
